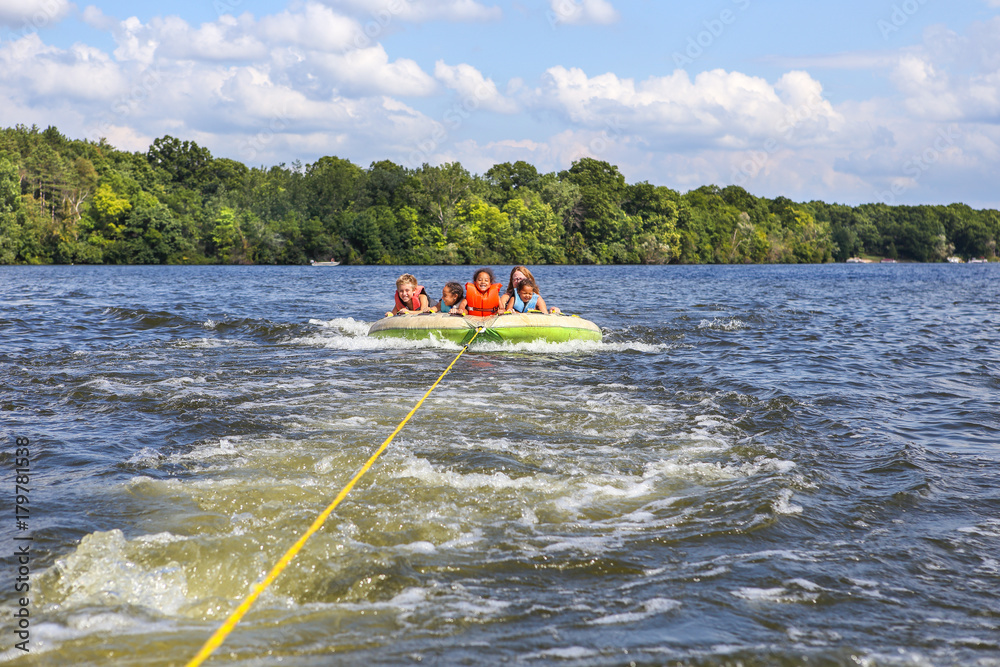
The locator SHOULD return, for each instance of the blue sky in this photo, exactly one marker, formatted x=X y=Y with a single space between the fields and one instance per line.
x=895 y=101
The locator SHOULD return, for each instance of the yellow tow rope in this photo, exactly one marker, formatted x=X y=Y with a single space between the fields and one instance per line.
x=215 y=641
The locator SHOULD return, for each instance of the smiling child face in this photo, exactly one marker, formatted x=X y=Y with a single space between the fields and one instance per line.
x=483 y=281
x=406 y=291
x=525 y=292
x=448 y=298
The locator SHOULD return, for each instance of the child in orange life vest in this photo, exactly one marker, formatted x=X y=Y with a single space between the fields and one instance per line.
x=482 y=295
x=526 y=298
x=410 y=297
x=451 y=294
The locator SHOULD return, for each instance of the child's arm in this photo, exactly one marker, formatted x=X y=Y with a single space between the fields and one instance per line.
x=540 y=305
x=423 y=303
x=460 y=307
x=504 y=299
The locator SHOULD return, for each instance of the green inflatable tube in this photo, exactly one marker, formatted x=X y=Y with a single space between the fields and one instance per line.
x=512 y=328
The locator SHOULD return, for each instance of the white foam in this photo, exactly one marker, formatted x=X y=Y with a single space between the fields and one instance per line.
x=145 y=457
x=805 y=584
x=210 y=343
x=784 y=504
x=409 y=598
x=347 y=325
x=991 y=528
x=650 y=608
x=717 y=324
x=181 y=381
x=421 y=547
x=567 y=653
x=781 y=595
x=101 y=572
x=759 y=594
x=362 y=343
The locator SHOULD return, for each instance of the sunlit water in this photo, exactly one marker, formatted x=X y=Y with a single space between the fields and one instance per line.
x=758 y=465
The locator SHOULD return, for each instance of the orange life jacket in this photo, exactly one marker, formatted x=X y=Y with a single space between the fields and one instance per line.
x=416 y=297
x=481 y=304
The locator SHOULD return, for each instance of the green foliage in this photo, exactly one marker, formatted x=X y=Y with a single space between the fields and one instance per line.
x=64 y=200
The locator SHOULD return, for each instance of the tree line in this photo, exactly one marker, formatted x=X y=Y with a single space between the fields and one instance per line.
x=76 y=201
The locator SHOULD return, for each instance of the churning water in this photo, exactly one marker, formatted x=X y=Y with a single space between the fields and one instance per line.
x=762 y=465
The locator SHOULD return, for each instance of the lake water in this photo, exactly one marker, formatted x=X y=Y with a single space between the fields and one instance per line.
x=760 y=465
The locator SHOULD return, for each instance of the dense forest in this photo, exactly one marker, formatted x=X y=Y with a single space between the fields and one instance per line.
x=72 y=201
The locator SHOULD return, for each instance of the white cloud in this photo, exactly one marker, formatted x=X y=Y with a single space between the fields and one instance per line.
x=382 y=13
x=476 y=91
x=311 y=48
x=310 y=80
x=262 y=91
x=582 y=12
x=370 y=72
x=98 y=20
x=316 y=27
x=717 y=108
x=228 y=39
x=31 y=15
x=42 y=74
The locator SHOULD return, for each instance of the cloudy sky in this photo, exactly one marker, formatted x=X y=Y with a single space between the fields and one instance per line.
x=851 y=101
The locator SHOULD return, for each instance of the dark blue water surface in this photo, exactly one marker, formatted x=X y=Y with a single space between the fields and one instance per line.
x=758 y=465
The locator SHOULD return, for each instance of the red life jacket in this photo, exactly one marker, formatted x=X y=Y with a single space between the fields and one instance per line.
x=481 y=304
x=416 y=297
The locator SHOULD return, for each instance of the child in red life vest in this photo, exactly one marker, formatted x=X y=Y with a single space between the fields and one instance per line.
x=482 y=295
x=526 y=298
x=451 y=294
x=410 y=297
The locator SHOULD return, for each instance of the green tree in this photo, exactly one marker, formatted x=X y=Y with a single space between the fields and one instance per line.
x=441 y=189
x=10 y=206
x=602 y=189
x=183 y=163
x=507 y=180
x=230 y=244
x=488 y=227
x=330 y=186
